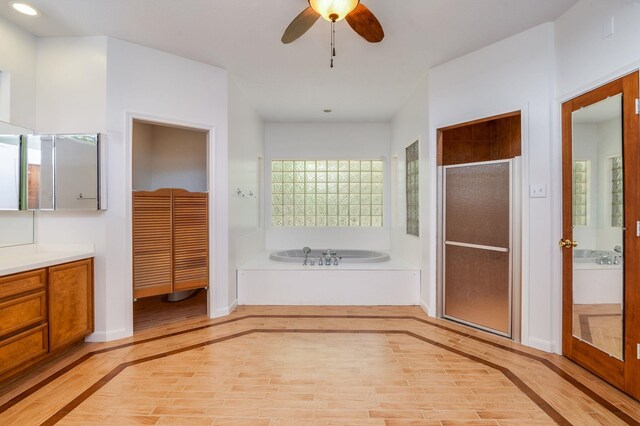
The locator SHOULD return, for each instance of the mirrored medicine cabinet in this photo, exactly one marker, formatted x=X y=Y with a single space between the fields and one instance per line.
x=51 y=172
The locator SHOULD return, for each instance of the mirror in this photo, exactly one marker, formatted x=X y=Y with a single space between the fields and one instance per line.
x=16 y=227
x=63 y=172
x=598 y=220
x=40 y=172
x=76 y=172
x=10 y=172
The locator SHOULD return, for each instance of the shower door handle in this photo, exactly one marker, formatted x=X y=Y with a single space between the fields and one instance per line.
x=567 y=244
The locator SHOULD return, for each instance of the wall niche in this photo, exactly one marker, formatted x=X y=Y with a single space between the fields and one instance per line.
x=495 y=138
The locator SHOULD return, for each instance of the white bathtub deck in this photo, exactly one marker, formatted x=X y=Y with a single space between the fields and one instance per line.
x=262 y=281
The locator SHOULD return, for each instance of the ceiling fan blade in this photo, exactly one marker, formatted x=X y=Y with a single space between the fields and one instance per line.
x=300 y=25
x=366 y=24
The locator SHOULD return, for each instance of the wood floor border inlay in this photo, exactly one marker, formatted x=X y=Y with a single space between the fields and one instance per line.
x=608 y=405
x=512 y=377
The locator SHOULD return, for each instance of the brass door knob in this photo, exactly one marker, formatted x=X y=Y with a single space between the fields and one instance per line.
x=567 y=244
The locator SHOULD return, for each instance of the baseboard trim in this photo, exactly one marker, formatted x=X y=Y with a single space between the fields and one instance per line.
x=223 y=312
x=543 y=345
x=108 y=336
x=424 y=307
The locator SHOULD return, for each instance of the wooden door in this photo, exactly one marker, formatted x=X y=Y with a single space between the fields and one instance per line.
x=152 y=243
x=601 y=286
x=190 y=240
x=70 y=303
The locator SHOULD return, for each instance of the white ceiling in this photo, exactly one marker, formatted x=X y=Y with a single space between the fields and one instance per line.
x=293 y=82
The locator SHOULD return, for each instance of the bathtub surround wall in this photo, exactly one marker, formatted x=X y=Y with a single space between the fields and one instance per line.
x=411 y=123
x=322 y=141
x=246 y=152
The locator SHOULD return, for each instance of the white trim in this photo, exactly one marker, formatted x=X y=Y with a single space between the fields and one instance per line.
x=213 y=266
x=107 y=336
x=594 y=84
x=223 y=312
x=543 y=345
x=424 y=307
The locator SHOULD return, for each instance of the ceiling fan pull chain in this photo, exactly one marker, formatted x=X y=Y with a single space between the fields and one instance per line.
x=333 y=41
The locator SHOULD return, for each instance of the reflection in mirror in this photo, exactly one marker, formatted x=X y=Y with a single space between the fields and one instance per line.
x=598 y=213
x=76 y=172
x=9 y=172
x=40 y=172
x=16 y=228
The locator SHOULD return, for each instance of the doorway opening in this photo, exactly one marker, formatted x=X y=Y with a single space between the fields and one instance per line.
x=170 y=224
x=479 y=174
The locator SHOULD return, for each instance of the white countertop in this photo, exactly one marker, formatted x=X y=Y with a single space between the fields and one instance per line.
x=33 y=256
x=263 y=263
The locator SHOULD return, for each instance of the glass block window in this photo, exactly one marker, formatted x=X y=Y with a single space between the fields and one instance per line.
x=617 y=193
x=412 y=190
x=580 y=192
x=326 y=193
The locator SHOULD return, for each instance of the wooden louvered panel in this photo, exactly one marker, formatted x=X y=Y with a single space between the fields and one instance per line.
x=190 y=240
x=152 y=240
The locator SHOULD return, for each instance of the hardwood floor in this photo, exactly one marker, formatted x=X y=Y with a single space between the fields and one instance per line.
x=150 y=312
x=314 y=365
x=600 y=325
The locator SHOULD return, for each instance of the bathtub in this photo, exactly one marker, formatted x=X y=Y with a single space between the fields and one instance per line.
x=344 y=256
x=594 y=283
x=362 y=277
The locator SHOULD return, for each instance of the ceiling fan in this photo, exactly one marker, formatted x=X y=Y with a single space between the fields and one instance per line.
x=357 y=15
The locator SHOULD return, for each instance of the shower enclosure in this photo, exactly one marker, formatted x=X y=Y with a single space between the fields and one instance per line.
x=478 y=244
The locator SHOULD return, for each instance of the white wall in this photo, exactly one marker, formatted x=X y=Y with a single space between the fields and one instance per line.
x=585 y=60
x=513 y=74
x=72 y=90
x=153 y=85
x=120 y=80
x=246 y=149
x=584 y=57
x=18 y=60
x=169 y=157
x=411 y=124
x=328 y=141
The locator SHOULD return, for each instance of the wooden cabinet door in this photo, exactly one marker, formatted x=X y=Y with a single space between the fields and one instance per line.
x=152 y=243
x=190 y=240
x=70 y=303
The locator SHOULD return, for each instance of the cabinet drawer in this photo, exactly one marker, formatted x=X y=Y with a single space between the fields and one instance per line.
x=22 y=312
x=23 y=347
x=22 y=283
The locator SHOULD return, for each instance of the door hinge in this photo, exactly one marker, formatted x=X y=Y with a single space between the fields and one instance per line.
x=638 y=350
x=637 y=106
x=638 y=228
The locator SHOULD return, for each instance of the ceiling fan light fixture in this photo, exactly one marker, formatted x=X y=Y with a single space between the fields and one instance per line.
x=25 y=9
x=333 y=10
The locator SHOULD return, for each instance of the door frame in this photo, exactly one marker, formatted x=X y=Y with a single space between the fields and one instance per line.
x=624 y=375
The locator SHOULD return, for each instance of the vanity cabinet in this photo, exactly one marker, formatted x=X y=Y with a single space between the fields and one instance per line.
x=43 y=311
x=170 y=241
x=70 y=303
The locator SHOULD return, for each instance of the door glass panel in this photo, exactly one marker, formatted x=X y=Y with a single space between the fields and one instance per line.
x=477 y=254
x=477 y=287
x=477 y=204
x=598 y=213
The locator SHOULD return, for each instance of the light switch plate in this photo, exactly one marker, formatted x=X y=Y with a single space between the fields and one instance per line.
x=538 y=191
x=608 y=27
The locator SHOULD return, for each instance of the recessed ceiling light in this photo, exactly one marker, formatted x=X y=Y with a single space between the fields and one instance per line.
x=25 y=9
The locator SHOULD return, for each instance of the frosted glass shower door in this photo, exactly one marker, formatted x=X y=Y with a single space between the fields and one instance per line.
x=477 y=245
